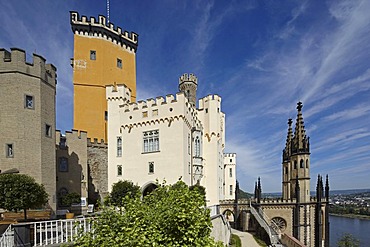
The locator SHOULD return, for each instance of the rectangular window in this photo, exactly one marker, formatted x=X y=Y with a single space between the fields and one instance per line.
x=155 y=112
x=29 y=102
x=92 y=55
x=9 y=151
x=231 y=172
x=62 y=143
x=119 y=146
x=151 y=141
x=119 y=170
x=145 y=114
x=106 y=115
x=47 y=130
x=231 y=190
x=119 y=63
x=151 y=167
x=63 y=164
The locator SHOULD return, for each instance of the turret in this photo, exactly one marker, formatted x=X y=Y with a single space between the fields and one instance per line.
x=188 y=84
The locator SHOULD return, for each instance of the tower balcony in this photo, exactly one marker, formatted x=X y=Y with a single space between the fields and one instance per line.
x=197 y=168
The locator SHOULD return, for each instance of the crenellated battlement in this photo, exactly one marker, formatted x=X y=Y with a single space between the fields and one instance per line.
x=145 y=105
x=15 y=61
x=100 y=28
x=70 y=136
x=230 y=155
x=188 y=78
x=96 y=143
x=165 y=108
x=202 y=103
x=118 y=92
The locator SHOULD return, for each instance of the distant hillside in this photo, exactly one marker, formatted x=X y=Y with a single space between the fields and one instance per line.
x=243 y=194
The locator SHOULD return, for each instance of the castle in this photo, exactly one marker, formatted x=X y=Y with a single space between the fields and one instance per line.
x=163 y=138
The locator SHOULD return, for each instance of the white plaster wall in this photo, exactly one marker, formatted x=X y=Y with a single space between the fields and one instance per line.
x=230 y=163
x=174 y=118
x=213 y=145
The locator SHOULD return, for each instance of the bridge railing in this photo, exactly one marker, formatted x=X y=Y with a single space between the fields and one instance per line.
x=274 y=237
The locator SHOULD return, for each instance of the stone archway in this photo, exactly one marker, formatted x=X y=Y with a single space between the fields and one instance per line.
x=149 y=188
x=229 y=215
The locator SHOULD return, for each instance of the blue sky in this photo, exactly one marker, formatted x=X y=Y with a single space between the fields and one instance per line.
x=261 y=57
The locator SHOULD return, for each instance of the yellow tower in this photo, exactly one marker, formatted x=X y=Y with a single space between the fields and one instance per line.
x=103 y=55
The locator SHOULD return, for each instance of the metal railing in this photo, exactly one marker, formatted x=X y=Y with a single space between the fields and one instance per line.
x=273 y=235
x=44 y=233
x=7 y=239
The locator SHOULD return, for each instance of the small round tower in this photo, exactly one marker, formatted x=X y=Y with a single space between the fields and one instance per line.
x=188 y=84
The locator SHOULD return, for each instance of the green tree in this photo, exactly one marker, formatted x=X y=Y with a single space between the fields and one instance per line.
x=20 y=191
x=169 y=216
x=70 y=198
x=120 y=190
x=348 y=240
x=200 y=189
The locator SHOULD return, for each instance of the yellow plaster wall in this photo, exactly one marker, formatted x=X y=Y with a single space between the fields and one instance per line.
x=91 y=76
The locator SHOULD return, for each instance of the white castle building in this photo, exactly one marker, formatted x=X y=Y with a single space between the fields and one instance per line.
x=168 y=139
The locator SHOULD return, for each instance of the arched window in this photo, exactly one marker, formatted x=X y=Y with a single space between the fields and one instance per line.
x=301 y=165
x=306 y=163
x=197 y=147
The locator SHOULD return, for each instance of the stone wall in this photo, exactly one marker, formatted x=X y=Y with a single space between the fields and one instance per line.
x=97 y=162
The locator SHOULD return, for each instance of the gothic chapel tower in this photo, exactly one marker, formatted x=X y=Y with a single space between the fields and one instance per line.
x=296 y=160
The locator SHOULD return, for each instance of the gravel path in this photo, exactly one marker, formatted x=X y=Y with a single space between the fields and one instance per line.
x=246 y=238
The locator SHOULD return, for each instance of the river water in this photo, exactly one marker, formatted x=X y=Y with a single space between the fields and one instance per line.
x=360 y=229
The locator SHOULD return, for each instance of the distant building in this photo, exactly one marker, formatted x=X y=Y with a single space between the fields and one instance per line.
x=103 y=54
x=169 y=139
x=27 y=117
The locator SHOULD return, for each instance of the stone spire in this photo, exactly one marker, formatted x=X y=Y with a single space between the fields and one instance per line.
x=327 y=188
x=319 y=188
x=300 y=142
x=287 y=151
x=259 y=190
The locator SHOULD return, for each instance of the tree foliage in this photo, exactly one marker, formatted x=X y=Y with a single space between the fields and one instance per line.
x=169 y=216
x=348 y=240
x=20 y=191
x=70 y=198
x=120 y=190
